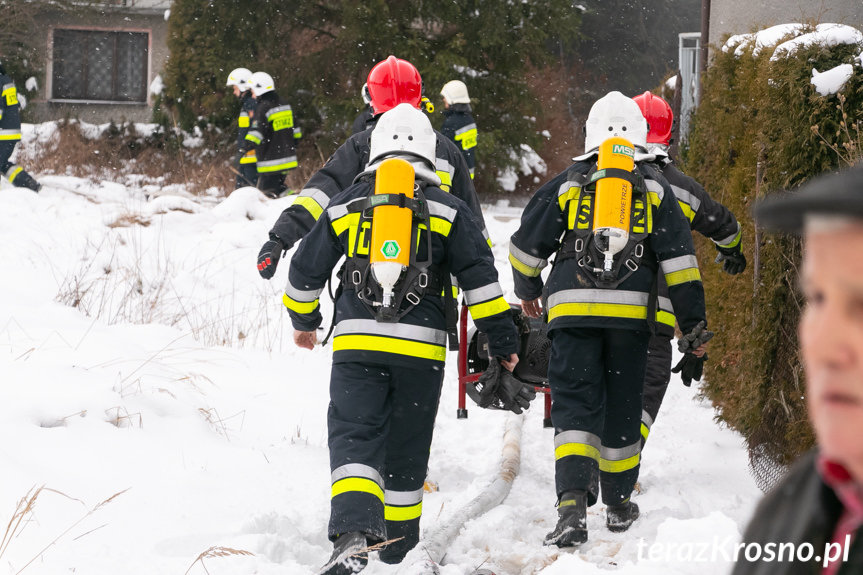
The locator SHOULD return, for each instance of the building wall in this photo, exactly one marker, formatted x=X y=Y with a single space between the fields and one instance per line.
x=728 y=17
x=142 y=16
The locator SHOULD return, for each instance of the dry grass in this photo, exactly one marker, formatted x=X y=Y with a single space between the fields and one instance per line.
x=214 y=552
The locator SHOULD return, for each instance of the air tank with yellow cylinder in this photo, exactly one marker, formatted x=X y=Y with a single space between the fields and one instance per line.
x=613 y=202
x=392 y=226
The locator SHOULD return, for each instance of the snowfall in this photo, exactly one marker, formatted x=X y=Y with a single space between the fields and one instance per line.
x=157 y=418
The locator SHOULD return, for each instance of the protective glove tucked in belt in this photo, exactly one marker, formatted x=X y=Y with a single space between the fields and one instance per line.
x=268 y=257
x=498 y=388
x=733 y=261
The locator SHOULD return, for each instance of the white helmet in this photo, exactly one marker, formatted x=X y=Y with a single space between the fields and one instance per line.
x=455 y=92
x=240 y=78
x=615 y=115
x=404 y=130
x=261 y=83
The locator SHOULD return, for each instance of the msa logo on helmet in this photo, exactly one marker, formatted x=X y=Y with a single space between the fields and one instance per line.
x=625 y=150
x=390 y=249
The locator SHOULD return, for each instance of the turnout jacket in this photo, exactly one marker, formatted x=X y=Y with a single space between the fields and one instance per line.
x=706 y=216
x=346 y=164
x=273 y=135
x=10 y=110
x=800 y=509
x=244 y=123
x=419 y=339
x=459 y=126
x=573 y=299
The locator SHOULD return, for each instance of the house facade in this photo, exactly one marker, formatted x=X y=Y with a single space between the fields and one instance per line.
x=101 y=61
x=728 y=17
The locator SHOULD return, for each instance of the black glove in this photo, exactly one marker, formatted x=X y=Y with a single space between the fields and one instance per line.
x=268 y=258
x=733 y=261
x=498 y=388
x=690 y=367
x=696 y=337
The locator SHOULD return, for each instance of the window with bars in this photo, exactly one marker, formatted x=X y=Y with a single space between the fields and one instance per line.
x=100 y=65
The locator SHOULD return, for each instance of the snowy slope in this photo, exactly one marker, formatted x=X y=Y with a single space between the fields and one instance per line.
x=169 y=414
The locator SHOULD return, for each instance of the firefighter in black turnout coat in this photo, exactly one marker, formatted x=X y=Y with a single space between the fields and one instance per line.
x=273 y=136
x=247 y=172
x=599 y=311
x=388 y=358
x=10 y=134
x=459 y=125
x=707 y=217
x=391 y=82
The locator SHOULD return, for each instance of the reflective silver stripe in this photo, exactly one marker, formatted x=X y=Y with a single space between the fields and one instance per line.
x=565 y=187
x=9 y=132
x=528 y=260
x=441 y=211
x=486 y=235
x=646 y=419
x=687 y=197
x=278 y=109
x=665 y=304
x=574 y=436
x=655 y=187
x=442 y=165
x=467 y=128
x=317 y=195
x=338 y=211
x=11 y=169
x=620 y=453
x=285 y=160
x=356 y=470
x=254 y=134
x=393 y=330
x=403 y=498
x=302 y=296
x=7 y=86
x=624 y=297
x=484 y=293
x=729 y=239
x=679 y=263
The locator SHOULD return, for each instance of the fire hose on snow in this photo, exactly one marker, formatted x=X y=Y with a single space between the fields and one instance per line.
x=431 y=550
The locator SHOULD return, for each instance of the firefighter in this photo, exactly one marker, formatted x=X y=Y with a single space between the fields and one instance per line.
x=707 y=217
x=391 y=82
x=10 y=134
x=364 y=118
x=389 y=342
x=459 y=125
x=247 y=172
x=272 y=136
x=598 y=307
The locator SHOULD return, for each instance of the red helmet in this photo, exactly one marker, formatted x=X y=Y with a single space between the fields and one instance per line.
x=393 y=82
x=659 y=116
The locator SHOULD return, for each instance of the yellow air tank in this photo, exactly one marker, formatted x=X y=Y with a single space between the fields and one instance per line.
x=392 y=225
x=611 y=211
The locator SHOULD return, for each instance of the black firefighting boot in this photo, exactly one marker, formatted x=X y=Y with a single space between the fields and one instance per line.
x=350 y=555
x=618 y=518
x=24 y=180
x=571 y=529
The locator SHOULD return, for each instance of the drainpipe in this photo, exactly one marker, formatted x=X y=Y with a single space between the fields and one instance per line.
x=705 y=40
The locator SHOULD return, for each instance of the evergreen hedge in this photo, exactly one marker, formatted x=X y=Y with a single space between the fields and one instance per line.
x=763 y=118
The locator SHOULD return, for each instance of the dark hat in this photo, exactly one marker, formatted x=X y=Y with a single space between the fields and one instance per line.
x=832 y=194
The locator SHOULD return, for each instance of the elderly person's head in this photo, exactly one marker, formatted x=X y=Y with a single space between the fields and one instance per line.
x=828 y=213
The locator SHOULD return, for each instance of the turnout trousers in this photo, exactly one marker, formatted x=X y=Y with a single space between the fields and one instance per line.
x=596 y=377
x=272 y=184
x=655 y=381
x=14 y=173
x=380 y=423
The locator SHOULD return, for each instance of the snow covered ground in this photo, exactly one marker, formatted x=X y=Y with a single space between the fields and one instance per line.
x=153 y=402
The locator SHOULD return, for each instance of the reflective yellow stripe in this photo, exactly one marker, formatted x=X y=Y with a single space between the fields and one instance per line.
x=654 y=198
x=619 y=466
x=599 y=310
x=281 y=120
x=350 y=223
x=311 y=206
x=357 y=484
x=403 y=513
x=488 y=308
x=683 y=276
x=665 y=317
x=244 y=122
x=252 y=138
x=11 y=176
x=687 y=210
x=733 y=242
x=11 y=96
x=389 y=345
x=299 y=306
x=266 y=168
x=571 y=193
x=4 y=137
x=467 y=139
x=523 y=268
x=581 y=449
x=445 y=180
x=645 y=431
x=441 y=226
x=298 y=133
